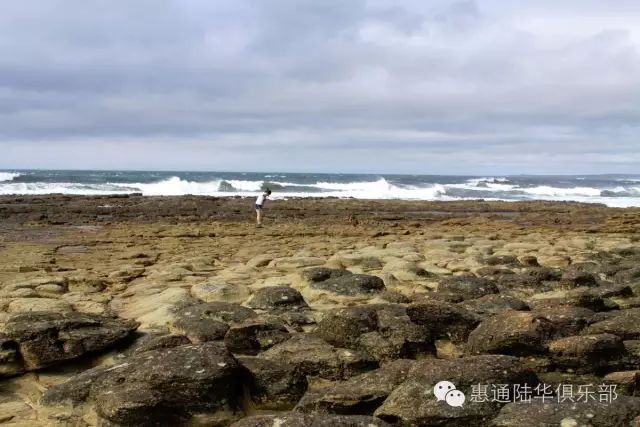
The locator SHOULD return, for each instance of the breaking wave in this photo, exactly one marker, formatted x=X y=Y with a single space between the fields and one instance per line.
x=620 y=192
x=8 y=176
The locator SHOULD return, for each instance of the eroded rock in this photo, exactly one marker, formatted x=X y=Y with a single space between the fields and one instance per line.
x=512 y=333
x=467 y=286
x=44 y=339
x=361 y=394
x=255 y=334
x=444 y=320
x=314 y=356
x=413 y=402
x=351 y=285
x=309 y=420
x=618 y=412
x=157 y=386
x=273 y=384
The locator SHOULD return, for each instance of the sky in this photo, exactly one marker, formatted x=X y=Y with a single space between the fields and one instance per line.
x=378 y=86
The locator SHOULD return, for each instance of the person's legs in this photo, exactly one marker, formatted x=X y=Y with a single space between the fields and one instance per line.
x=259 y=216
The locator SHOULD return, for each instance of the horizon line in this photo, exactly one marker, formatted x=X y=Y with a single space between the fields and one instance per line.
x=306 y=173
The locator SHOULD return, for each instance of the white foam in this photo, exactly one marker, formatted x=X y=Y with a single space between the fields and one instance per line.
x=381 y=185
x=620 y=196
x=39 y=188
x=486 y=180
x=545 y=190
x=175 y=186
x=8 y=176
x=245 y=185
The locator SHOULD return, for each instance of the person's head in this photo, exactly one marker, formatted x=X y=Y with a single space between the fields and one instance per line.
x=267 y=192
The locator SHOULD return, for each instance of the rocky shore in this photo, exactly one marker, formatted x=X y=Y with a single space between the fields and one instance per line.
x=136 y=311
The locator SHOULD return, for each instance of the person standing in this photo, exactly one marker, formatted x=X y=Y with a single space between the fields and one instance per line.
x=260 y=201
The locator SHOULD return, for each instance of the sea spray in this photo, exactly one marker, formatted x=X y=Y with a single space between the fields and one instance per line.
x=612 y=190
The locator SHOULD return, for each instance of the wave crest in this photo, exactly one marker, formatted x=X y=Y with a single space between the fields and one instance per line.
x=612 y=193
x=9 y=176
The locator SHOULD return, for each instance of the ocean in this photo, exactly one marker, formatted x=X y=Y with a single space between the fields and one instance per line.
x=612 y=190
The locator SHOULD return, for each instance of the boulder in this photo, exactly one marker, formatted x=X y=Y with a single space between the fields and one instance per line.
x=467 y=286
x=157 y=386
x=320 y=274
x=586 y=353
x=255 y=334
x=208 y=321
x=567 y=319
x=625 y=324
x=413 y=402
x=628 y=382
x=618 y=412
x=343 y=327
x=579 y=297
x=395 y=297
x=361 y=394
x=351 y=285
x=277 y=298
x=610 y=290
x=573 y=278
x=151 y=342
x=314 y=356
x=309 y=420
x=444 y=320
x=272 y=384
x=556 y=379
x=382 y=330
x=529 y=261
x=44 y=339
x=501 y=260
x=629 y=275
x=75 y=390
x=494 y=304
x=532 y=278
x=512 y=333
x=440 y=296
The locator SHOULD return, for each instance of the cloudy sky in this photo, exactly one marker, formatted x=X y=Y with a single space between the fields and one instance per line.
x=459 y=87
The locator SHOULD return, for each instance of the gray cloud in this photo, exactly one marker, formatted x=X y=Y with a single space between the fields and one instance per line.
x=380 y=86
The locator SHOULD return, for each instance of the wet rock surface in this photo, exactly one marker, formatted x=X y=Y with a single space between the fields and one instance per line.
x=178 y=311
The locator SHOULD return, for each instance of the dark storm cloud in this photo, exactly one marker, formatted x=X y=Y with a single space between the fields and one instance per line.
x=440 y=86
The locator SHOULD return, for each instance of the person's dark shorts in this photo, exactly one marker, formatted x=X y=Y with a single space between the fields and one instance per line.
x=258 y=207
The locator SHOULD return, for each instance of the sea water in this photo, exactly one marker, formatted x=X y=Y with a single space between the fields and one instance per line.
x=612 y=190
